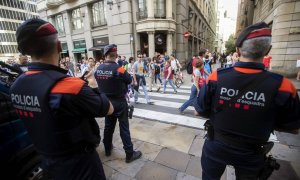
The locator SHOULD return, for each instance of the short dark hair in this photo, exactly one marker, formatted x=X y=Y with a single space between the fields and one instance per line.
x=206 y=56
x=41 y=47
x=202 y=52
x=130 y=59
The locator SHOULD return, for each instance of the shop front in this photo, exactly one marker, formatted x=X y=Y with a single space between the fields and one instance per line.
x=79 y=50
x=98 y=47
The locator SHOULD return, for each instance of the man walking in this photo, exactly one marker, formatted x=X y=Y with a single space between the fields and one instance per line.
x=113 y=81
x=139 y=79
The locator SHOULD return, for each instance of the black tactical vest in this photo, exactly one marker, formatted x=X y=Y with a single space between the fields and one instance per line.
x=109 y=80
x=251 y=116
x=30 y=97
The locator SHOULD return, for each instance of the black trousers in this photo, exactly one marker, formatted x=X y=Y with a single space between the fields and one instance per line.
x=121 y=114
x=82 y=165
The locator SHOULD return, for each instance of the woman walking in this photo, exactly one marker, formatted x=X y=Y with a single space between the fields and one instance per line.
x=168 y=77
x=198 y=75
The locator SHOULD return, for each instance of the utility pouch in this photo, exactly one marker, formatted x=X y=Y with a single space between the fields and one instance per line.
x=130 y=111
x=269 y=166
x=210 y=129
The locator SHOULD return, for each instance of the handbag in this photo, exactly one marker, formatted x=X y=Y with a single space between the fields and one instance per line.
x=298 y=63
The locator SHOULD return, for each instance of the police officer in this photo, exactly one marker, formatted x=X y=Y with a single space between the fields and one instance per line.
x=113 y=81
x=245 y=104
x=57 y=110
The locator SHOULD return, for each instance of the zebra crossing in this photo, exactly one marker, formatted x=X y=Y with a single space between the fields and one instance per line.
x=165 y=108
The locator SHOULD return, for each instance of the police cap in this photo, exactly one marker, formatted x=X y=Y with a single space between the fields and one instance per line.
x=110 y=48
x=260 y=29
x=31 y=30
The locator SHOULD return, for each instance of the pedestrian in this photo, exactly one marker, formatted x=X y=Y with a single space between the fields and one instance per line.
x=89 y=77
x=130 y=65
x=157 y=71
x=22 y=66
x=168 y=75
x=152 y=75
x=175 y=65
x=229 y=60
x=70 y=65
x=266 y=61
x=138 y=70
x=60 y=110
x=207 y=66
x=195 y=89
x=235 y=58
x=113 y=81
x=245 y=104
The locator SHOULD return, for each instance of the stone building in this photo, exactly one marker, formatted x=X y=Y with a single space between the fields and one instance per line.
x=283 y=16
x=12 y=14
x=136 y=26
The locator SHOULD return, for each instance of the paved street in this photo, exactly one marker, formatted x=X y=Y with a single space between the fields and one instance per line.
x=173 y=152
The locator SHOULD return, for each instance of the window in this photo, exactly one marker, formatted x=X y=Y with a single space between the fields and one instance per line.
x=77 y=21
x=99 y=14
x=142 y=5
x=160 y=9
x=59 y=24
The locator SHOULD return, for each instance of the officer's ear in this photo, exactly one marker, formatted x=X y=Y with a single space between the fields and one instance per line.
x=59 y=49
x=268 y=50
x=238 y=51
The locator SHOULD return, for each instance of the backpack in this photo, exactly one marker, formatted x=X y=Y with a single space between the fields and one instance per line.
x=207 y=66
x=189 y=67
x=157 y=69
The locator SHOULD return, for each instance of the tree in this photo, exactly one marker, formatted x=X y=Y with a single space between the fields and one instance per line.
x=230 y=44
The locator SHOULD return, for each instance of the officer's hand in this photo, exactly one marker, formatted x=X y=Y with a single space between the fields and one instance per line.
x=111 y=109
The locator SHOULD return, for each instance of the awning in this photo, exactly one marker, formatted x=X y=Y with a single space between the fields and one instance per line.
x=97 y=48
x=64 y=51
x=79 y=50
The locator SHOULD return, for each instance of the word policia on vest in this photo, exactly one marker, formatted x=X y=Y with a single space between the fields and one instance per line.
x=24 y=102
x=251 y=98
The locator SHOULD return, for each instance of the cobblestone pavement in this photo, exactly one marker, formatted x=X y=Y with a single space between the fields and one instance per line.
x=173 y=152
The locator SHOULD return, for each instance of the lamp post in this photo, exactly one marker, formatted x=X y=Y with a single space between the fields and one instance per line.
x=131 y=41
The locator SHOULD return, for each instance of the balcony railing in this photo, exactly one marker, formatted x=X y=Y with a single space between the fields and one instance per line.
x=160 y=13
x=140 y=15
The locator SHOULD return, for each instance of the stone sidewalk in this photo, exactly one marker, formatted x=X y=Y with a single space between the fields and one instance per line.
x=173 y=152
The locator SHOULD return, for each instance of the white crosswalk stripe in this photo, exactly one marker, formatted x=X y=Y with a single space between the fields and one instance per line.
x=165 y=108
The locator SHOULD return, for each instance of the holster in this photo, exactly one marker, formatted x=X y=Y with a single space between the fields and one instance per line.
x=210 y=130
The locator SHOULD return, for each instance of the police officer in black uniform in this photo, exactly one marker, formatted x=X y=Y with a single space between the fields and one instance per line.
x=113 y=81
x=58 y=110
x=245 y=104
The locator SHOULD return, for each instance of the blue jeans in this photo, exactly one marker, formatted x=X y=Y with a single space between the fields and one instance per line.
x=171 y=84
x=189 y=102
x=216 y=155
x=141 y=82
x=157 y=76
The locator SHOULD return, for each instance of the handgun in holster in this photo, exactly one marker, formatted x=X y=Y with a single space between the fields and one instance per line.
x=210 y=129
x=270 y=163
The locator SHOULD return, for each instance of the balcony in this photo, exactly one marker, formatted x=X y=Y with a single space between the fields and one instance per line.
x=54 y=3
x=140 y=15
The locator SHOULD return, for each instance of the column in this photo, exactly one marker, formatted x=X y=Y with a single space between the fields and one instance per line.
x=169 y=9
x=68 y=32
x=151 y=43
x=150 y=8
x=137 y=43
x=170 y=42
x=87 y=29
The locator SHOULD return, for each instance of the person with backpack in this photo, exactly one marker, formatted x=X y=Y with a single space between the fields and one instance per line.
x=157 y=70
x=207 y=66
x=152 y=75
x=198 y=81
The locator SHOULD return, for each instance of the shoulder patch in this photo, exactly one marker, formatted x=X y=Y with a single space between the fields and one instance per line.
x=68 y=85
x=121 y=70
x=32 y=72
x=287 y=86
x=212 y=77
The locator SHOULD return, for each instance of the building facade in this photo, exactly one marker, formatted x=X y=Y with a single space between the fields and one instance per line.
x=283 y=16
x=136 y=26
x=12 y=14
